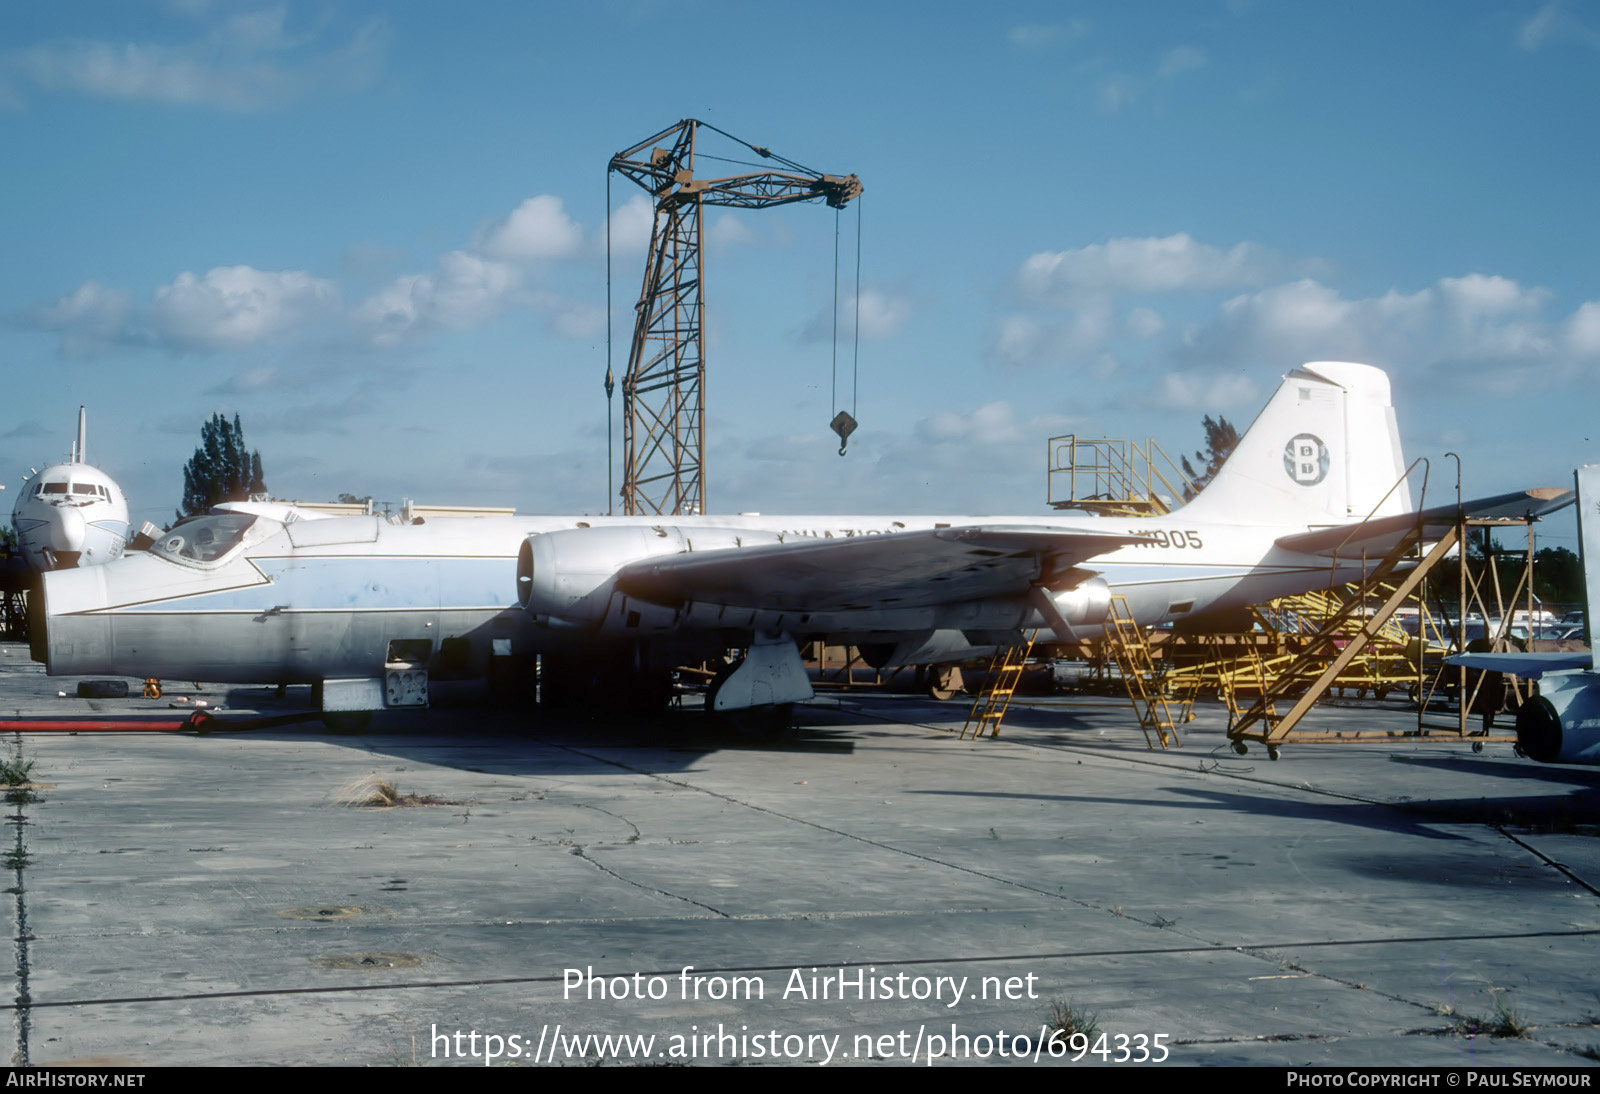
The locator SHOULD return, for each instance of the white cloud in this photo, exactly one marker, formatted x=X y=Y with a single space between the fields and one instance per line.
x=1025 y=341
x=570 y=318
x=89 y=319
x=1175 y=263
x=235 y=306
x=1180 y=60
x=537 y=229
x=1144 y=323
x=883 y=314
x=247 y=62
x=729 y=230
x=631 y=223
x=991 y=424
x=1582 y=330
x=464 y=290
x=1121 y=90
x=1487 y=330
x=1554 y=23
x=1044 y=35
x=256 y=380
x=1191 y=391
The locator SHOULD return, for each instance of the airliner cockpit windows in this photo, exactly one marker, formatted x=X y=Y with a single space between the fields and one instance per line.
x=204 y=539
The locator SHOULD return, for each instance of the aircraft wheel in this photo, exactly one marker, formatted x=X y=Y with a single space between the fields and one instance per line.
x=944 y=682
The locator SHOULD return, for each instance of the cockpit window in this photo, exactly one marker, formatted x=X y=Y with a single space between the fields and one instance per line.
x=55 y=488
x=203 y=539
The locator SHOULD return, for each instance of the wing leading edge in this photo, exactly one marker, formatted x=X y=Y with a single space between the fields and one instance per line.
x=902 y=570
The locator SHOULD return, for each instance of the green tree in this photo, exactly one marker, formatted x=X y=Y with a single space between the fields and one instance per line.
x=1558 y=576
x=1221 y=439
x=222 y=469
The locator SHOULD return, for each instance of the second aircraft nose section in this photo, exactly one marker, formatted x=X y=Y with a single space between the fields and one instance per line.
x=68 y=531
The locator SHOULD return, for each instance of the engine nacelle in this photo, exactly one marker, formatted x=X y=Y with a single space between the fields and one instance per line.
x=570 y=576
x=1561 y=725
x=1088 y=604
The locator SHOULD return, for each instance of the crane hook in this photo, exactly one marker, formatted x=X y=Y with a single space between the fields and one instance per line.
x=844 y=425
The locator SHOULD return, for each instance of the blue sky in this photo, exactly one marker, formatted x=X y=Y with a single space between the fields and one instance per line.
x=376 y=232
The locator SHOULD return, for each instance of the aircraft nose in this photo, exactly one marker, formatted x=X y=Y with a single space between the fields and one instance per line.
x=68 y=530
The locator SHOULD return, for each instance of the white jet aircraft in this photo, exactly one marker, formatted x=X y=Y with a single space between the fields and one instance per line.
x=70 y=514
x=1561 y=724
x=367 y=609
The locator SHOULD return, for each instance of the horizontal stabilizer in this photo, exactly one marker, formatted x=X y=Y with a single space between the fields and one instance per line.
x=899 y=570
x=1377 y=536
x=1529 y=666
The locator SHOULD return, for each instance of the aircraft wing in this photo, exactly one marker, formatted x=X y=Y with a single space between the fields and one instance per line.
x=898 y=570
x=1529 y=666
x=1376 y=537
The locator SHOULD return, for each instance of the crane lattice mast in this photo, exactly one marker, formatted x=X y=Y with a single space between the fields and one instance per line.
x=663 y=391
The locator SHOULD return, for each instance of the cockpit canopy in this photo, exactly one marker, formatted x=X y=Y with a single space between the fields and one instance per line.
x=203 y=539
x=79 y=489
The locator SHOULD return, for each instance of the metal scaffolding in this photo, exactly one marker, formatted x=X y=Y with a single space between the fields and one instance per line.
x=1113 y=477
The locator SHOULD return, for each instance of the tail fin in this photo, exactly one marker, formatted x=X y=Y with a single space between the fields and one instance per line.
x=1324 y=451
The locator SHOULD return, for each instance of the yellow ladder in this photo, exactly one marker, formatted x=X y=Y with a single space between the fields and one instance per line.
x=1127 y=644
x=1330 y=652
x=1005 y=672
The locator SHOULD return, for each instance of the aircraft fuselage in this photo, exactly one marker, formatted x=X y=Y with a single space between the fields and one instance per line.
x=322 y=599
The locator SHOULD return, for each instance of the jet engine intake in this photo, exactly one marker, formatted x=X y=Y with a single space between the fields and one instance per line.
x=1088 y=603
x=569 y=576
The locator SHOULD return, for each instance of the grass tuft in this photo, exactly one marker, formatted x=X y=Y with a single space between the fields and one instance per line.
x=1504 y=1022
x=1066 y=1020
x=375 y=792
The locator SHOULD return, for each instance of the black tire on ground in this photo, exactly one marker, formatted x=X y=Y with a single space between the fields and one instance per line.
x=102 y=689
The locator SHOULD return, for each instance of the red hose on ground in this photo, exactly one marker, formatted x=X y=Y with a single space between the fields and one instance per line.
x=199 y=721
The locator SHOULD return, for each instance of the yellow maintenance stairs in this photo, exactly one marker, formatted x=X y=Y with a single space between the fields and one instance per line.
x=1144 y=679
x=1344 y=636
x=1005 y=673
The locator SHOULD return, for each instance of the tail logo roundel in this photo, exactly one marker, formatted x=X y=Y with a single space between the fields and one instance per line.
x=1306 y=459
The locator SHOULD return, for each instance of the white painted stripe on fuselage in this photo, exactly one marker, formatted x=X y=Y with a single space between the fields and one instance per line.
x=350 y=583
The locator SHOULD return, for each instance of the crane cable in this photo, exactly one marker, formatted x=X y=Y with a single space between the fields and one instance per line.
x=845 y=423
x=611 y=383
